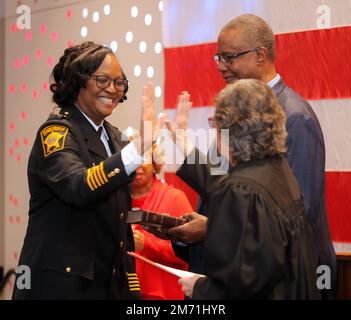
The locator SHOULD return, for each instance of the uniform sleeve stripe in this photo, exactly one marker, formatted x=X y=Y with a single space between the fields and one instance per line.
x=131 y=274
x=134 y=289
x=102 y=171
x=98 y=173
x=88 y=180
x=134 y=286
x=133 y=282
x=94 y=177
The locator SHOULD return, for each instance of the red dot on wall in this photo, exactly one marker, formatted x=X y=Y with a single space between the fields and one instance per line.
x=69 y=14
x=69 y=44
x=54 y=36
x=18 y=218
x=25 y=60
x=13 y=27
x=11 y=219
x=19 y=158
x=17 y=64
x=17 y=143
x=35 y=94
x=23 y=115
x=12 y=126
x=49 y=61
x=39 y=54
x=11 y=152
x=45 y=86
x=25 y=141
x=23 y=87
x=43 y=29
x=12 y=88
x=29 y=35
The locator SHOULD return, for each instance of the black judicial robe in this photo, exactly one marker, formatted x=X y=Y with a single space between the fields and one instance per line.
x=259 y=244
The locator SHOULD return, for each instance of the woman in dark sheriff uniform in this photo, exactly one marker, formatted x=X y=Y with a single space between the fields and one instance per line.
x=77 y=236
x=259 y=244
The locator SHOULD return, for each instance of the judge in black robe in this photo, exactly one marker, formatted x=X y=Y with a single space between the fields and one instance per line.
x=259 y=244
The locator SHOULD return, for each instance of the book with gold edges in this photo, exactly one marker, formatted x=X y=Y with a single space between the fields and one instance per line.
x=153 y=219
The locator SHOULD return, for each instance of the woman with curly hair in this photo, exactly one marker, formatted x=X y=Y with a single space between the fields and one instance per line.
x=79 y=172
x=259 y=244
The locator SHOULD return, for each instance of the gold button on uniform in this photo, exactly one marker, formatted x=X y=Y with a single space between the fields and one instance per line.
x=121 y=215
x=114 y=172
x=68 y=269
x=114 y=271
x=121 y=244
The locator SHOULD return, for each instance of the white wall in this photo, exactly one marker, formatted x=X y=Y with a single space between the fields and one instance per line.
x=22 y=114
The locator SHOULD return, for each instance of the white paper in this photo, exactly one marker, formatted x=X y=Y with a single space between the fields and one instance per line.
x=177 y=272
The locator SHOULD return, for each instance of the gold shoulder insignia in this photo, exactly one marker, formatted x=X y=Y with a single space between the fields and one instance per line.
x=53 y=138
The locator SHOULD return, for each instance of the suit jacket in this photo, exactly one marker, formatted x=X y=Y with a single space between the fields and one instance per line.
x=77 y=236
x=259 y=243
x=306 y=157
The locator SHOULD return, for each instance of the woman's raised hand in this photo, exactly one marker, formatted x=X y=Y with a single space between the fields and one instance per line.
x=179 y=129
x=150 y=124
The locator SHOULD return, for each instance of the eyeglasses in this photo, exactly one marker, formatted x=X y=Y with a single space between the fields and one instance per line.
x=103 y=82
x=229 y=57
x=212 y=122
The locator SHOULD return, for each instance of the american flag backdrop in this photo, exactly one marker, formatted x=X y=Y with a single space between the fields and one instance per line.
x=313 y=49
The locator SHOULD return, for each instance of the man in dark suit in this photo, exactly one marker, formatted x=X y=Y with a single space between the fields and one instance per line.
x=246 y=49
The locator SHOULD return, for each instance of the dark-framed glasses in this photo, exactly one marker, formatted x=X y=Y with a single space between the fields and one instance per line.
x=228 y=57
x=103 y=82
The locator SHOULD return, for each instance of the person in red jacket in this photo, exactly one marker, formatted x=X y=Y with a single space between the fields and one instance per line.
x=151 y=194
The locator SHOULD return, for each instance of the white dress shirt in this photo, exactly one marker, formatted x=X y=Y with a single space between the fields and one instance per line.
x=274 y=81
x=130 y=156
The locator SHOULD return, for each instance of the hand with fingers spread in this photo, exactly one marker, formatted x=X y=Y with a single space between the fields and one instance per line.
x=150 y=125
x=179 y=130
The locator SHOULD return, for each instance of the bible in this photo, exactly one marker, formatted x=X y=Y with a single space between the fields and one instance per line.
x=153 y=219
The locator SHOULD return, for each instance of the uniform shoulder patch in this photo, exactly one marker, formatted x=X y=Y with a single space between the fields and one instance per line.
x=53 y=138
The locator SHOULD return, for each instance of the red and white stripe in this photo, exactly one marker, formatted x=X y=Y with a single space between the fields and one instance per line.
x=314 y=62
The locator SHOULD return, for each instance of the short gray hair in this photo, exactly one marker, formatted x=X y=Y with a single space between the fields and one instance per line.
x=257 y=32
x=256 y=121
